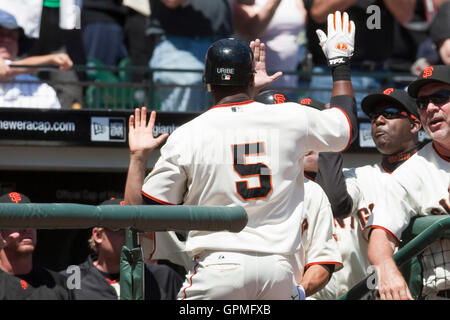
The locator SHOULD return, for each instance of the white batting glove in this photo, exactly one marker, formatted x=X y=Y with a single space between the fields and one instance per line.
x=338 y=45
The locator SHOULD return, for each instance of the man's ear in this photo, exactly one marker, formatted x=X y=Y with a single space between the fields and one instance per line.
x=416 y=125
x=97 y=234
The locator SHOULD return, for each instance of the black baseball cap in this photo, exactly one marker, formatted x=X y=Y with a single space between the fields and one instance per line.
x=313 y=103
x=14 y=197
x=397 y=97
x=271 y=97
x=436 y=73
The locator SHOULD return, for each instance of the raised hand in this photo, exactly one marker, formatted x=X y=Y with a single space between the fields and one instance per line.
x=262 y=79
x=338 y=45
x=140 y=134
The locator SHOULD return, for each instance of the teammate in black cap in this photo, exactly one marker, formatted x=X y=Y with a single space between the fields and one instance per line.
x=20 y=279
x=418 y=187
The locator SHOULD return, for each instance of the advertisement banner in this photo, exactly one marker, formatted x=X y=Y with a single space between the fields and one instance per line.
x=76 y=127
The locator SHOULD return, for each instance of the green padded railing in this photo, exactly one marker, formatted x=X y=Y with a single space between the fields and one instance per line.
x=142 y=218
x=131 y=218
x=420 y=233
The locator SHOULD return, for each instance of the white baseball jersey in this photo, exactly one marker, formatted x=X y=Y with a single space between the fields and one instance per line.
x=318 y=243
x=364 y=185
x=247 y=154
x=419 y=187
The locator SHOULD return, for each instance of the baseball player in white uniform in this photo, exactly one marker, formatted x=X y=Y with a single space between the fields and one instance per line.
x=318 y=251
x=393 y=113
x=241 y=152
x=419 y=187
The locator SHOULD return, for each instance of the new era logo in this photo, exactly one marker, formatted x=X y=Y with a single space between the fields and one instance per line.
x=108 y=129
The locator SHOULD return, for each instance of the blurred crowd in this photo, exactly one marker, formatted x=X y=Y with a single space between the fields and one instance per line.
x=399 y=36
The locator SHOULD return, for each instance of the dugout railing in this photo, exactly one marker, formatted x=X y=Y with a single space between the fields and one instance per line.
x=126 y=87
x=421 y=232
x=133 y=219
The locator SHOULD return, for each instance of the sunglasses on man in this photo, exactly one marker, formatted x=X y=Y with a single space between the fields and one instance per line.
x=389 y=113
x=438 y=98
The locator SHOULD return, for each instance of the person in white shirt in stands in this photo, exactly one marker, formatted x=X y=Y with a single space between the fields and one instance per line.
x=18 y=87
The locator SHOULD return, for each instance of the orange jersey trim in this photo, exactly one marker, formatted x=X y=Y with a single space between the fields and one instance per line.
x=387 y=231
x=350 y=129
x=190 y=281
x=323 y=262
x=439 y=154
x=156 y=199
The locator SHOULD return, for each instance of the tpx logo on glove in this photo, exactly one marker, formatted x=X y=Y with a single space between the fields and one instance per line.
x=337 y=61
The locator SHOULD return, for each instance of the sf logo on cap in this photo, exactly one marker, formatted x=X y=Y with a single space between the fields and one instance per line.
x=279 y=98
x=388 y=91
x=428 y=72
x=15 y=197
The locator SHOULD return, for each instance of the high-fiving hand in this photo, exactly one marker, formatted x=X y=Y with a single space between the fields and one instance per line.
x=338 y=45
x=262 y=79
x=140 y=134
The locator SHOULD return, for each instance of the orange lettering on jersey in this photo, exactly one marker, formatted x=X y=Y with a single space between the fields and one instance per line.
x=15 y=197
x=428 y=72
x=388 y=91
x=352 y=223
x=279 y=98
x=363 y=215
x=305 y=225
x=340 y=222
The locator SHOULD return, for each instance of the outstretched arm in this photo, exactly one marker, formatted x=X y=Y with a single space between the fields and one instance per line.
x=141 y=142
x=391 y=284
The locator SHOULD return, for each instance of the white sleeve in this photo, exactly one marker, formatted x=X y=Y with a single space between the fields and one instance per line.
x=328 y=130
x=166 y=183
x=393 y=212
x=353 y=188
x=320 y=244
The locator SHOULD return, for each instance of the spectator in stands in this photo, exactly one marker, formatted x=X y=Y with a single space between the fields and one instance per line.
x=186 y=30
x=435 y=49
x=375 y=41
x=140 y=45
x=277 y=24
x=16 y=93
x=102 y=24
x=20 y=278
x=100 y=273
x=57 y=36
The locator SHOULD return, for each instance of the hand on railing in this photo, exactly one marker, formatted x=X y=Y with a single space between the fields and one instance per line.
x=62 y=60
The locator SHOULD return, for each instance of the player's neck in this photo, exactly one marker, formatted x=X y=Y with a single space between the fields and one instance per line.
x=107 y=264
x=393 y=161
x=442 y=150
x=233 y=98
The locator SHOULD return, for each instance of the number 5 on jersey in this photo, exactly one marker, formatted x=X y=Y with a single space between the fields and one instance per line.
x=247 y=170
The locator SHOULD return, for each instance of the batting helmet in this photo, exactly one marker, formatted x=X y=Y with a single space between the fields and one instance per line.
x=271 y=97
x=229 y=62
